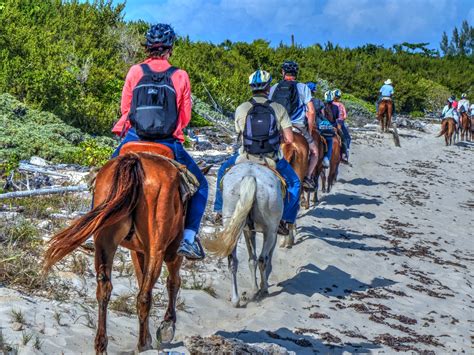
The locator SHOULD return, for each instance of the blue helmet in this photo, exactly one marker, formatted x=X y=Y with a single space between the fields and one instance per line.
x=337 y=93
x=160 y=35
x=290 y=67
x=312 y=86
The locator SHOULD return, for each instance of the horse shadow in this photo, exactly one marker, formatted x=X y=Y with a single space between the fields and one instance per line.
x=339 y=214
x=464 y=144
x=362 y=182
x=342 y=238
x=330 y=282
x=350 y=200
x=299 y=343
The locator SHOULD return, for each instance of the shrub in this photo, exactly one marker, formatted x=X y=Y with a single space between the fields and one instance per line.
x=27 y=132
x=417 y=114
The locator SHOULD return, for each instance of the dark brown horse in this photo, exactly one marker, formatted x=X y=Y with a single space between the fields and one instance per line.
x=448 y=128
x=384 y=114
x=465 y=126
x=137 y=205
x=333 y=166
x=322 y=146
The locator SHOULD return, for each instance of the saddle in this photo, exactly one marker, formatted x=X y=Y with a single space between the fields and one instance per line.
x=267 y=162
x=188 y=185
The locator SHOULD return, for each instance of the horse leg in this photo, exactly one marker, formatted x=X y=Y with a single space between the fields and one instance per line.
x=291 y=236
x=106 y=244
x=233 y=267
x=165 y=332
x=265 y=259
x=251 y=247
x=308 y=197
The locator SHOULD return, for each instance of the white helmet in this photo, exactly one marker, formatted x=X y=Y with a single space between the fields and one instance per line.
x=260 y=80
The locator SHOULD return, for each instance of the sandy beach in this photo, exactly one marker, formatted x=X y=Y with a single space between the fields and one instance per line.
x=383 y=264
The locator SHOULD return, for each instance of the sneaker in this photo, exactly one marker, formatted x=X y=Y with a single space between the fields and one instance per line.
x=308 y=184
x=326 y=162
x=191 y=251
x=283 y=229
x=218 y=218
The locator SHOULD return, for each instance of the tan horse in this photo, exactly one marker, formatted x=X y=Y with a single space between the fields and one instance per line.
x=448 y=128
x=465 y=126
x=384 y=114
x=137 y=205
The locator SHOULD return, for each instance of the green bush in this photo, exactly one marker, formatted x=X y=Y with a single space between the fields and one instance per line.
x=27 y=132
x=417 y=114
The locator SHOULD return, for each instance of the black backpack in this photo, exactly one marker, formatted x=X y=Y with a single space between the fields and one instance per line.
x=261 y=132
x=286 y=94
x=154 y=112
x=318 y=107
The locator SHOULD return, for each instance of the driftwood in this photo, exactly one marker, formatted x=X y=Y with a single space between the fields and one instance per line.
x=46 y=191
x=35 y=169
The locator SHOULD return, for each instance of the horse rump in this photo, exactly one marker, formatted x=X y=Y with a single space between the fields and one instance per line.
x=122 y=198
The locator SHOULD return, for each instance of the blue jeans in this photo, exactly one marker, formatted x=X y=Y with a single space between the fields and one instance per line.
x=329 y=142
x=197 y=203
x=345 y=132
x=292 y=198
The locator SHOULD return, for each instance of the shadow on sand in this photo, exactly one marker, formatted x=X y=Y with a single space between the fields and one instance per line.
x=342 y=238
x=300 y=344
x=330 y=282
x=363 y=182
x=338 y=214
x=349 y=200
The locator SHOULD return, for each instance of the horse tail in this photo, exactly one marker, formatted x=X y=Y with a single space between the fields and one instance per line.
x=444 y=128
x=227 y=240
x=126 y=186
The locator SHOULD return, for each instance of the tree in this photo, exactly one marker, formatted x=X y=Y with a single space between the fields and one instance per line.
x=444 y=45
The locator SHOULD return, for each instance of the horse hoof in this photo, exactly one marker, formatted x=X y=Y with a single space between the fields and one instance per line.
x=236 y=304
x=165 y=332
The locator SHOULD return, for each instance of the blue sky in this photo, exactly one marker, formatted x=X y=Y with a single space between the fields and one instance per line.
x=346 y=22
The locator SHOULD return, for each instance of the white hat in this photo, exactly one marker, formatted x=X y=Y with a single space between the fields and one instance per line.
x=388 y=82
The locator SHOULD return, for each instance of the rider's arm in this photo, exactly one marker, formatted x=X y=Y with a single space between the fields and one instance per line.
x=133 y=77
x=310 y=115
x=184 y=100
x=288 y=135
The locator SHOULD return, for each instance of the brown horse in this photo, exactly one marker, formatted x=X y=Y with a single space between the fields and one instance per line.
x=137 y=205
x=384 y=114
x=297 y=154
x=472 y=126
x=465 y=126
x=321 y=145
x=448 y=128
x=333 y=166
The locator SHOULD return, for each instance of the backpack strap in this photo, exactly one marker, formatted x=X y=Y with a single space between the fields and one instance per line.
x=170 y=71
x=147 y=70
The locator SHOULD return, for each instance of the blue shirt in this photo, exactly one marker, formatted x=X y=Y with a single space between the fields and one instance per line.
x=386 y=90
x=304 y=93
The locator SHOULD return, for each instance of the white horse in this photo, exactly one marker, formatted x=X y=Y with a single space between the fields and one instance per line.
x=252 y=202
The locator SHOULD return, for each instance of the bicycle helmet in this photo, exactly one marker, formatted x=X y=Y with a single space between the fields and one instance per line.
x=260 y=80
x=312 y=86
x=337 y=93
x=160 y=35
x=328 y=96
x=290 y=67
